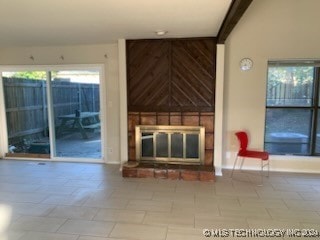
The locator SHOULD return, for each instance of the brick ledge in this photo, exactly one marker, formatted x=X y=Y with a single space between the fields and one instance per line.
x=169 y=171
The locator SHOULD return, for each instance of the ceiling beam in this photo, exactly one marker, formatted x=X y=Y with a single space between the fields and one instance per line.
x=235 y=12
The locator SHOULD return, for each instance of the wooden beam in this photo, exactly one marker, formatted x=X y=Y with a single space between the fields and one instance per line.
x=235 y=12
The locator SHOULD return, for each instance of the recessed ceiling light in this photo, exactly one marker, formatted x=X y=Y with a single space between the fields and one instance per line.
x=161 y=32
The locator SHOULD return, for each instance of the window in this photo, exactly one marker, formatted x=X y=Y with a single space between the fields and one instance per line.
x=292 y=108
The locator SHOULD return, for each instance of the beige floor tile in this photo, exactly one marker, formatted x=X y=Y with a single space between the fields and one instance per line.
x=21 y=180
x=40 y=224
x=189 y=208
x=48 y=236
x=60 y=190
x=294 y=215
x=22 y=197
x=83 y=183
x=22 y=187
x=264 y=203
x=217 y=200
x=124 y=185
x=74 y=212
x=91 y=228
x=132 y=194
x=106 y=202
x=52 y=181
x=315 y=226
x=316 y=188
x=156 y=187
x=93 y=192
x=65 y=200
x=231 y=191
x=138 y=232
x=311 y=196
x=15 y=235
x=96 y=238
x=287 y=187
x=175 y=233
x=207 y=221
x=150 y=205
x=267 y=194
x=93 y=238
x=238 y=175
x=114 y=215
x=302 y=205
x=32 y=209
x=81 y=176
x=274 y=179
x=168 y=182
x=205 y=188
x=247 y=186
x=169 y=219
x=253 y=212
x=174 y=196
x=272 y=224
x=304 y=179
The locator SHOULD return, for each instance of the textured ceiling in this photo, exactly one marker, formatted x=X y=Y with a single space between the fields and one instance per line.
x=70 y=22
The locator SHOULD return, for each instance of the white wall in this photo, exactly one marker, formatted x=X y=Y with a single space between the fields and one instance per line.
x=269 y=29
x=86 y=54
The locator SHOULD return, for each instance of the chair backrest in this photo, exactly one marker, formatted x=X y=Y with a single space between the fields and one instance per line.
x=243 y=140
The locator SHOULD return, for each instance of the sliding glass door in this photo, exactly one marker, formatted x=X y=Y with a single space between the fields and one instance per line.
x=53 y=114
x=25 y=95
x=76 y=113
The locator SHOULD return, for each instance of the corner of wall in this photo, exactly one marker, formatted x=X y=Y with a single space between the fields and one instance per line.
x=219 y=123
x=123 y=101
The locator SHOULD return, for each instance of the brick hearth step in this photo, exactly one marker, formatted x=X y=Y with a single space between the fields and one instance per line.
x=168 y=171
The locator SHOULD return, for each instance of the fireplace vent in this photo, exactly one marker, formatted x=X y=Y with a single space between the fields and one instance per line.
x=171 y=144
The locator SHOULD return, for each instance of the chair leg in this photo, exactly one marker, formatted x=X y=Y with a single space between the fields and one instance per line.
x=234 y=165
x=261 y=172
x=241 y=165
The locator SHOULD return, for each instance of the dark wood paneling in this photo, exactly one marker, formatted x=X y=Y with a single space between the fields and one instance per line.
x=235 y=12
x=193 y=69
x=171 y=74
x=148 y=73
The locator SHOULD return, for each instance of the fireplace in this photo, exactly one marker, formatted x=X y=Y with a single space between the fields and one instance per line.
x=170 y=144
x=171 y=86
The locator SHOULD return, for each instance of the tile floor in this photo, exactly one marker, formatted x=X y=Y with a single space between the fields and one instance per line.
x=76 y=201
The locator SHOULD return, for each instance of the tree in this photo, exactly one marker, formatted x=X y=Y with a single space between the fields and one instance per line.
x=293 y=83
x=41 y=75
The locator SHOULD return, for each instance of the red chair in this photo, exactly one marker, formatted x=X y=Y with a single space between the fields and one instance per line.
x=244 y=152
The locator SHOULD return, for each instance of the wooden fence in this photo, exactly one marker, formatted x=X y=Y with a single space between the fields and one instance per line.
x=290 y=94
x=27 y=109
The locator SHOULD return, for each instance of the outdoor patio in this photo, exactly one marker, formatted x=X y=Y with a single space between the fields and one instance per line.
x=73 y=145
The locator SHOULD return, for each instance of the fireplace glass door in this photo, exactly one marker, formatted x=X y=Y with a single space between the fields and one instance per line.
x=169 y=145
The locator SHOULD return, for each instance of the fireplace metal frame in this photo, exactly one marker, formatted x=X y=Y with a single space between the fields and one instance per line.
x=139 y=129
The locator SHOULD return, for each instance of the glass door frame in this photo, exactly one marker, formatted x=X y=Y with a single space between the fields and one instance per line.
x=48 y=68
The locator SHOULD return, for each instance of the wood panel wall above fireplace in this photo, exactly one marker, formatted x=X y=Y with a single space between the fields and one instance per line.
x=166 y=75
